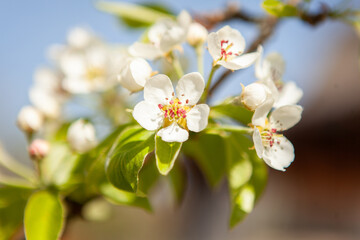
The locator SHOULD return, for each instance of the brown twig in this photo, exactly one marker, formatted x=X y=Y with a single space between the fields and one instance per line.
x=266 y=25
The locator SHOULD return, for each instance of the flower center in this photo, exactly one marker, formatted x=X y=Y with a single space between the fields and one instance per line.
x=226 y=54
x=93 y=73
x=175 y=111
x=269 y=136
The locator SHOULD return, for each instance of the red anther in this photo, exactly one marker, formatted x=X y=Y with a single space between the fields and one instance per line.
x=187 y=101
x=171 y=102
x=160 y=106
x=229 y=53
x=182 y=95
x=173 y=94
x=166 y=99
x=273 y=130
x=223 y=41
x=179 y=103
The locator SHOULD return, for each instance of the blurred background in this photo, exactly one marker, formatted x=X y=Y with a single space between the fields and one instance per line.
x=318 y=197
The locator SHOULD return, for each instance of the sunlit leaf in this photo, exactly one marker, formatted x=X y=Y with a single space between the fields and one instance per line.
x=166 y=154
x=233 y=111
x=135 y=15
x=279 y=9
x=44 y=216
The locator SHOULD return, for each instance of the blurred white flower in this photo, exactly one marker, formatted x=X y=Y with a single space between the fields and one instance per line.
x=30 y=119
x=47 y=93
x=197 y=34
x=269 y=72
x=275 y=149
x=174 y=114
x=164 y=36
x=38 y=149
x=226 y=47
x=134 y=74
x=81 y=136
x=87 y=63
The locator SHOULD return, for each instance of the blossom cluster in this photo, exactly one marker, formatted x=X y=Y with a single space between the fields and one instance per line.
x=88 y=65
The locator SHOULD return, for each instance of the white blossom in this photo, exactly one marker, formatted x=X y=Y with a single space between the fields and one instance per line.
x=197 y=34
x=164 y=36
x=173 y=114
x=47 y=93
x=227 y=46
x=134 y=74
x=81 y=136
x=30 y=119
x=275 y=149
x=88 y=64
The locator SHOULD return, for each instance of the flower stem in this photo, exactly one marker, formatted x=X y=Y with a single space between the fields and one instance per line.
x=177 y=66
x=208 y=83
x=199 y=54
x=231 y=128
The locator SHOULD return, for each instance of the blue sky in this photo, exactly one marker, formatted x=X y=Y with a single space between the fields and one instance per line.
x=29 y=27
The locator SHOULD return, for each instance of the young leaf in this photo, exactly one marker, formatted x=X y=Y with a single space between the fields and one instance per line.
x=127 y=156
x=148 y=174
x=166 y=154
x=121 y=197
x=44 y=216
x=279 y=9
x=12 y=205
x=236 y=112
x=135 y=15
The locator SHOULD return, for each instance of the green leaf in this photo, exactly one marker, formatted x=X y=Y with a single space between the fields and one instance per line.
x=44 y=216
x=148 y=174
x=236 y=112
x=121 y=197
x=279 y=9
x=134 y=15
x=209 y=152
x=247 y=176
x=178 y=181
x=12 y=205
x=166 y=154
x=127 y=156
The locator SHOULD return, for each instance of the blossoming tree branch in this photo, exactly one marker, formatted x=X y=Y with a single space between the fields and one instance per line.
x=149 y=115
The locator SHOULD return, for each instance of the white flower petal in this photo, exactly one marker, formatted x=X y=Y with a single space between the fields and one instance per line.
x=260 y=71
x=171 y=38
x=285 y=117
x=190 y=88
x=232 y=35
x=260 y=114
x=197 y=118
x=145 y=50
x=240 y=62
x=141 y=71
x=290 y=94
x=81 y=136
x=184 y=19
x=214 y=45
x=280 y=155
x=77 y=85
x=259 y=148
x=173 y=133
x=148 y=115
x=73 y=63
x=48 y=104
x=158 y=90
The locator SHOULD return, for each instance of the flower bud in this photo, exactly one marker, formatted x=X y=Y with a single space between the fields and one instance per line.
x=81 y=136
x=80 y=37
x=254 y=95
x=197 y=34
x=38 y=149
x=30 y=119
x=134 y=74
